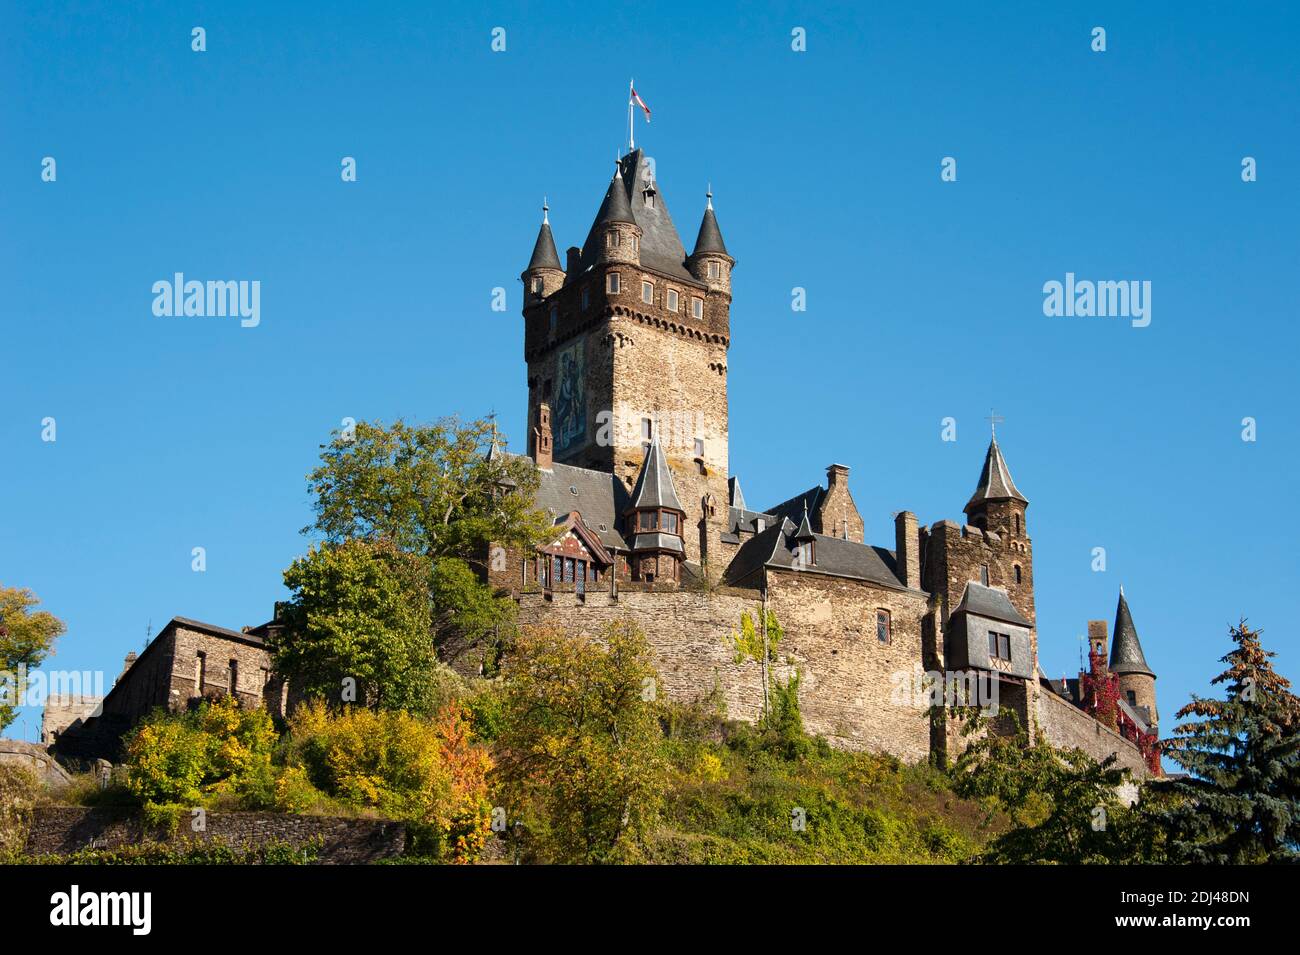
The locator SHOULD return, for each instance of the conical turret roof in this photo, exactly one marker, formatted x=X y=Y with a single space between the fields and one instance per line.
x=1126 y=650
x=995 y=482
x=710 y=237
x=615 y=207
x=654 y=485
x=544 y=254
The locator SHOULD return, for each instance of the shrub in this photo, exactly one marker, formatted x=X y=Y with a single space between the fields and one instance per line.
x=18 y=787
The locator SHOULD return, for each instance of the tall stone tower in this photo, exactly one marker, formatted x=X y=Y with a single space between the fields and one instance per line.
x=628 y=343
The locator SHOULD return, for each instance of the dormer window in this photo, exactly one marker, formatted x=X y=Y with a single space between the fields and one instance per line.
x=715 y=270
x=672 y=299
x=649 y=194
x=612 y=283
x=612 y=240
x=697 y=308
x=999 y=646
x=648 y=292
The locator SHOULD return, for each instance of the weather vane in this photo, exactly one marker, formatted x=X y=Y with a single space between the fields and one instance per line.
x=994 y=419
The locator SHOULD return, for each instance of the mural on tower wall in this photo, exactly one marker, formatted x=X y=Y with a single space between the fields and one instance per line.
x=570 y=425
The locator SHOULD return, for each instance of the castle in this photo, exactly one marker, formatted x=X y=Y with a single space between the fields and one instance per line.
x=626 y=349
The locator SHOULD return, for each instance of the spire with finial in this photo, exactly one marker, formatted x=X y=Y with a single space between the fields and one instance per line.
x=709 y=240
x=544 y=254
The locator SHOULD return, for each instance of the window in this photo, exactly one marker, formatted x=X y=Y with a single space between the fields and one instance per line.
x=699 y=447
x=611 y=283
x=568 y=570
x=648 y=521
x=1016 y=571
x=612 y=240
x=648 y=292
x=984 y=574
x=999 y=646
x=882 y=626
x=672 y=300
x=697 y=308
x=1015 y=522
x=636 y=244
x=537 y=284
x=649 y=198
x=715 y=270
x=586 y=297
x=200 y=671
x=670 y=523
x=1132 y=697
x=234 y=677
x=555 y=318
x=266 y=676
x=557 y=570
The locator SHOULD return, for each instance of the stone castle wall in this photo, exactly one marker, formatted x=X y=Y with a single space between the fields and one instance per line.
x=1066 y=727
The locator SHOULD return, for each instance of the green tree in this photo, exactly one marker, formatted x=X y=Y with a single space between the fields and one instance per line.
x=430 y=489
x=1241 y=804
x=26 y=638
x=578 y=753
x=1063 y=804
x=357 y=629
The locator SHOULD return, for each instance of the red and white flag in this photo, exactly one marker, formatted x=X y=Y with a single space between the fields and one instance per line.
x=638 y=101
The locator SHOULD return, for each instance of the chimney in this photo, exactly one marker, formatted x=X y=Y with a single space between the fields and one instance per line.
x=836 y=475
x=907 y=543
x=1097 y=639
x=571 y=258
x=542 y=437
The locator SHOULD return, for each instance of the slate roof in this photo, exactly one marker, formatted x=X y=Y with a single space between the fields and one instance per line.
x=1140 y=715
x=1126 y=650
x=736 y=497
x=654 y=485
x=710 y=237
x=794 y=508
x=990 y=602
x=835 y=557
x=544 y=254
x=995 y=482
x=661 y=246
x=600 y=498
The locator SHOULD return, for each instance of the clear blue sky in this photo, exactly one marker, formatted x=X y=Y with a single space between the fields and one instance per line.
x=924 y=297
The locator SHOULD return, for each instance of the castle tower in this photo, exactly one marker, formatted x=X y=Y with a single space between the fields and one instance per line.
x=998 y=507
x=632 y=346
x=654 y=519
x=1137 y=682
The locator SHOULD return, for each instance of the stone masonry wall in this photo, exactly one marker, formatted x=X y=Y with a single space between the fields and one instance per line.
x=848 y=686
x=60 y=830
x=1066 y=727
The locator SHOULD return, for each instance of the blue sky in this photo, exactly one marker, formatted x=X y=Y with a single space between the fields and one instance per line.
x=924 y=297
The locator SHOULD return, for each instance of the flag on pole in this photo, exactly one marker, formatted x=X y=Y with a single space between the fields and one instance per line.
x=639 y=102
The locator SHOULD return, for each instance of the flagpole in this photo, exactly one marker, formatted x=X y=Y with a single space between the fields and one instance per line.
x=631 y=139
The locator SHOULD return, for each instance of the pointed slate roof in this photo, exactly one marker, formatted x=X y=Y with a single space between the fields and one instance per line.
x=737 y=496
x=615 y=207
x=1125 y=650
x=710 y=237
x=544 y=254
x=661 y=246
x=995 y=481
x=805 y=532
x=654 y=485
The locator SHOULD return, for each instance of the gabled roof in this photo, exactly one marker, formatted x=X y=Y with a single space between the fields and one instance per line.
x=654 y=485
x=995 y=482
x=661 y=246
x=1126 y=650
x=544 y=254
x=794 y=508
x=710 y=237
x=990 y=602
x=597 y=495
x=835 y=557
x=590 y=539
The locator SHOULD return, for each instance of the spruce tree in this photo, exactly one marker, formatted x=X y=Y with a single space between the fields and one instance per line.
x=1241 y=803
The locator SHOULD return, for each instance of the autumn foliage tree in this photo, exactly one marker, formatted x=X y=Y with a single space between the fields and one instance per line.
x=578 y=755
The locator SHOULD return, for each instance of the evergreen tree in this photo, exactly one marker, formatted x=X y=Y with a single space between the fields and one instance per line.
x=1242 y=802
